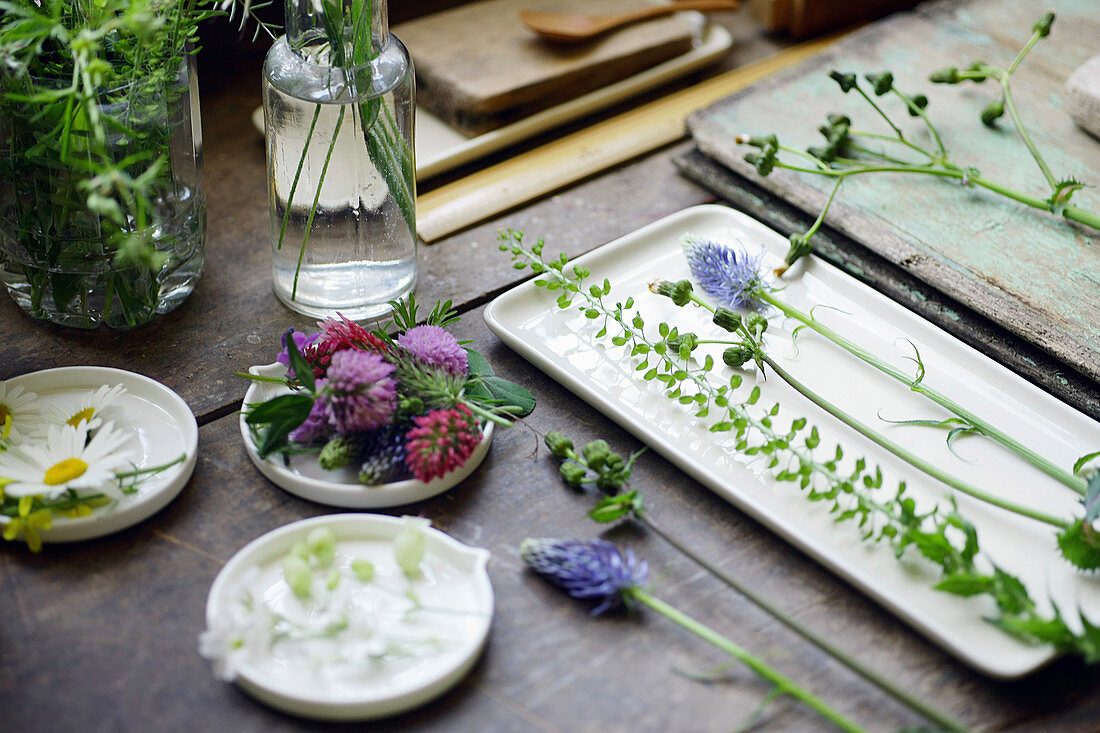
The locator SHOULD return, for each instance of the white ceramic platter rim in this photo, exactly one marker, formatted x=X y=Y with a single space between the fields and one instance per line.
x=526 y=320
x=154 y=401
x=440 y=148
x=277 y=542
x=348 y=494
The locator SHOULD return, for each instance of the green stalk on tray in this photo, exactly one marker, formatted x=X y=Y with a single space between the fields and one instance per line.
x=846 y=151
x=854 y=493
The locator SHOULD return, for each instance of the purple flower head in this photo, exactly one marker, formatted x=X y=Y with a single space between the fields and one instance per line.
x=317 y=428
x=434 y=346
x=361 y=393
x=594 y=569
x=729 y=275
x=301 y=341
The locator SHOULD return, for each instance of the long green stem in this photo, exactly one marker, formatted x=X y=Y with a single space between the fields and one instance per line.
x=944 y=721
x=984 y=427
x=908 y=456
x=298 y=174
x=1025 y=135
x=782 y=682
x=316 y=199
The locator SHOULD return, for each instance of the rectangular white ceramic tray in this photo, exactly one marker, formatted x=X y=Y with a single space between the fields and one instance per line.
x=563 y=344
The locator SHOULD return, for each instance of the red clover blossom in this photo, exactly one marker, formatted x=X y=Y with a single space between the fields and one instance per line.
x=591 y=570
x=729 y=275
x=441 y=442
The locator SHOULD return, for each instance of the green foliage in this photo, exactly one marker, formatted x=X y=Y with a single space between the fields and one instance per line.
x=854 y=493
x=849 y=151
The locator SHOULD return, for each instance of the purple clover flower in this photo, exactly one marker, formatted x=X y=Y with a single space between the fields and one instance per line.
x=594 y=569
x=301 y=341
x=434 y=346
x=729 y=275
x=361 y=393
x=318 y=426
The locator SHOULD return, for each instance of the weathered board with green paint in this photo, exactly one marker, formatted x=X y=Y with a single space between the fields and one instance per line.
x=1035 y=274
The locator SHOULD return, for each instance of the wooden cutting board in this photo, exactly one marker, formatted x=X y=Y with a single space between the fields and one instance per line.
x=479 y=68
x=1033 y=273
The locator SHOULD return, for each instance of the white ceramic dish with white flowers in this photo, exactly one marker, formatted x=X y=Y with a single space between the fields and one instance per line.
x=357 y=645
x=148 y=423
x=302 y=476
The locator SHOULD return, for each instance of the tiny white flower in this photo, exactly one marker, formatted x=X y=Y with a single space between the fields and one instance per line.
x=318 y=7
x=87 y=409
x=67 y=460
x=18 y=417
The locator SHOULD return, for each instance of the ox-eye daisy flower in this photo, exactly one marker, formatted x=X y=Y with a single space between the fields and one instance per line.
x=18 y=417
x=87 y=409
x=67 y=460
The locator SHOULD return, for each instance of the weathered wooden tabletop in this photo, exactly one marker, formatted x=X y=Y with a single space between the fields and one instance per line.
x=101 y=635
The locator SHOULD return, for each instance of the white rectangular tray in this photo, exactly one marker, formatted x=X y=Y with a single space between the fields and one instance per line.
x=563 y=344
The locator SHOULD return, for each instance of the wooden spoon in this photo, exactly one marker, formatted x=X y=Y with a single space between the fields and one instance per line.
x=577 y=28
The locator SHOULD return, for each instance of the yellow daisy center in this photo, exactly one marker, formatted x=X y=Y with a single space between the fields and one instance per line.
x=5 y=420
x=67 y=470
x=86 y=414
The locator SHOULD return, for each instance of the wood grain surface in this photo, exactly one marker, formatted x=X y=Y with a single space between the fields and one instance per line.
x=508 y=72
x=101 y=635
x=1022 y=268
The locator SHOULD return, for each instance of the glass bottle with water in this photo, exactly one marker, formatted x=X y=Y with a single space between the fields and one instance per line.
x=338 y=106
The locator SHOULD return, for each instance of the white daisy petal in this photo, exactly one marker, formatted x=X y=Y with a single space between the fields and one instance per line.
x=18 y=414
x=66 y=461
x=86 y=407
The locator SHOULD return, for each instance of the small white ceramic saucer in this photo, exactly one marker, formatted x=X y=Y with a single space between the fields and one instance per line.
x=161 y=426
x=452 y=623
x=302 y=476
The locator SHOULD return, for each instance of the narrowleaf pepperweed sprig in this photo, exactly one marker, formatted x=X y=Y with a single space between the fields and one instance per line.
x=597 y=465
x=791 y=452
x=846 y=151
x=597 y=570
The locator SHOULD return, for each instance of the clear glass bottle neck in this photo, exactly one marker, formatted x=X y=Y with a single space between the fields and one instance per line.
x=337 y=32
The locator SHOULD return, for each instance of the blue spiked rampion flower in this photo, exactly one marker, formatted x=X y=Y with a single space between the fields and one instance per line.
x=591 y=570
x=729 y=275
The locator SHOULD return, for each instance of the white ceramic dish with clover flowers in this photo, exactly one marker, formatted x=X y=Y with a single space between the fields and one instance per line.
x=74 y=424
x=564 y=344
x=302 y=476
x=349 y=616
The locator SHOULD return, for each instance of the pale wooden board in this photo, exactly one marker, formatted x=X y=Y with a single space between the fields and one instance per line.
x=528 y=175
x=1024 y=269
x=478 y=67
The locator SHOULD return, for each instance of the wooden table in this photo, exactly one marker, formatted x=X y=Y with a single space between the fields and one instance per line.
x=101 y=635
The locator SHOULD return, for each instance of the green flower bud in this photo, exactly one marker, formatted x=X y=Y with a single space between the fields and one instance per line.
x=680 y=292
x=847 y=81
x=322 y=545
x=684 y=344
x=916 y=104
x=767 y=141
x=763 y=161
x=881 y=83
x=1042 y=27
x=756 y=323
x=993 y=112
x=726 y=319
x=824 y=153
x=950 y=75
x=573 y=474
x=298 y=576
x=736 y=356
x=337 y=453
x=596 y=454
x=800 y=247
x=558 y=444
x=837 y=120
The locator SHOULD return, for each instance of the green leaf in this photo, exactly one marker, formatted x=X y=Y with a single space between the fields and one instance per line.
x=1092 y=499
x=303 y=371
x=1083 y=460
x=1080 y=545
x=612 y=508
x=283 y=408
x=514 y=398
x=965 y=584
x=479 y=365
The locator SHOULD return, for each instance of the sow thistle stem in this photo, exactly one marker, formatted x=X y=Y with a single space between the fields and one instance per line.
x=855 y=496
x=842 y=157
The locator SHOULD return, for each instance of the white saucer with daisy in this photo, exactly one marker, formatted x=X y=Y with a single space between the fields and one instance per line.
x=87 y=451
